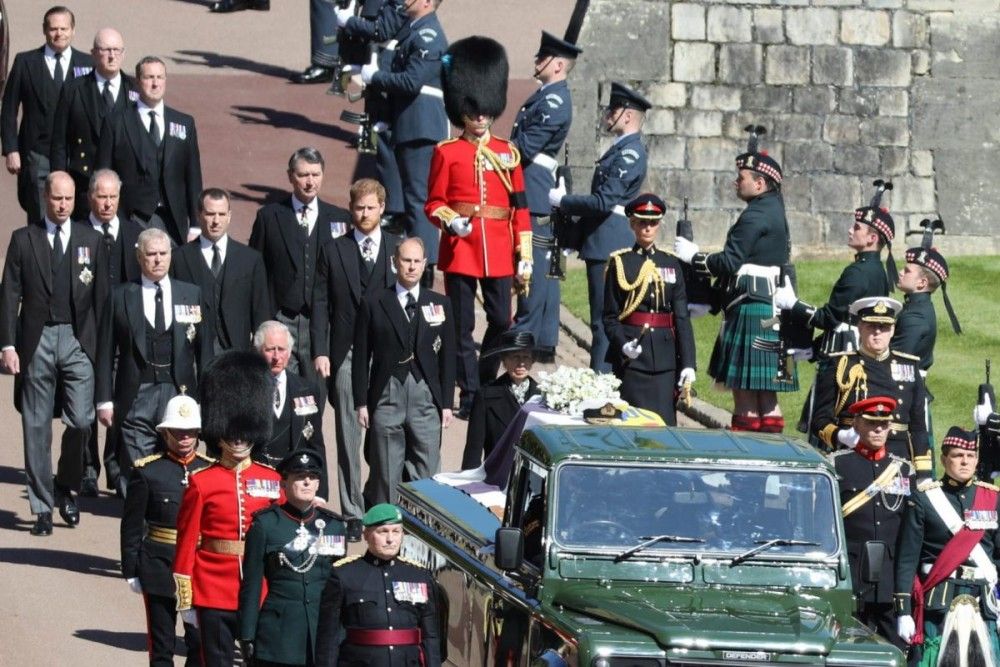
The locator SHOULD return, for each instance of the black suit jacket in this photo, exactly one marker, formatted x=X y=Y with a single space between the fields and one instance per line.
x=122 y=264
x=31 y=89
x=276 y=235
x=76 y=129
x=123 y=339
x=124 y=148
x=338 y=292
x=380 y=339
x=284 y=442
x=27 y=288
x=493 y=409
x=243 y=302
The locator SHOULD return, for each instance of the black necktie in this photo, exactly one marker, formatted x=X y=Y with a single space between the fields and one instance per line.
x=216 y=260
x=160 y=325
x=109 y=240
x=277 y=395
x=57 y=248
x=411 y=306
x=109 y=99
x=58 y=75
x=368 y=254
x=154 y=129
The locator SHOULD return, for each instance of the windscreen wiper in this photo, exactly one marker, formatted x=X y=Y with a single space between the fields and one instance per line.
x=650 y=540
x=764 y=545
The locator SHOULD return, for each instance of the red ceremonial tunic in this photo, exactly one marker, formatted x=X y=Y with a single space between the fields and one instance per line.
x=218 y=505
x=461 y=178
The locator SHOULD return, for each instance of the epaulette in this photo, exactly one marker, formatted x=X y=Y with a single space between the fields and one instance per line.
x=410 y=561
x=904 y=355
x=448 y=141
x=264 y=465
x=147 y=459
x=329 y=513
x=928 y=484
x=987 y=485
x=205 y=457
x=347 y=559
x=840 y=353
x=195 y=472
x=620 y=251
x=840 y=452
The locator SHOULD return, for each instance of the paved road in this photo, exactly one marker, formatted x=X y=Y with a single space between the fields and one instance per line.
x=63 y=600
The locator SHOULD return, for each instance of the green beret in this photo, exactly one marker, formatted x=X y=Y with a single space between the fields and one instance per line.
x=382 y=514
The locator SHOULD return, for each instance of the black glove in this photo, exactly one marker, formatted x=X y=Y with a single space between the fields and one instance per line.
x=247 y=649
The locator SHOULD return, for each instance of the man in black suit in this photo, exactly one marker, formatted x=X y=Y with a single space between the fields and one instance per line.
x=404 y=335
x=349 y=269
x=154 y=149
x=82 y=107
x=152 y=339
x=50 y=302
x=231 y=276
x=298 y=409
x=496 y=403
x=289 y=234
x=120 y=265
x=33 y=86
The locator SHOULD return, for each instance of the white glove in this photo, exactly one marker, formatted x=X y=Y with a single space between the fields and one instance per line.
x=632 y=349
x=524 y=268
x=848 y=437
x=698 y=310
x=367 y=72
x=133 y=583
x=801 y=354
x=687 y=375
x=460 y=227
x=190 y=616
x=380 y=126
x=684 y=249
x=344 y=15
x=905 y=628
x=557 y=193
x=784 y=296
x=981 y=413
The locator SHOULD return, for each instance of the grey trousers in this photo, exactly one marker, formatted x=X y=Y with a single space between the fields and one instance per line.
x=139 y=437
x=349 y=442
x=406 y=439
x=301 y=362
x=57 y=359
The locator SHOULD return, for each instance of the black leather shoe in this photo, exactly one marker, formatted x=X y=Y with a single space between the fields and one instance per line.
x=43 y=524
x=88 y=488
x=463 y=413
x=314 y=74
x=262 y=5
x=354 y=529
x=226 y=6
x=68 y=510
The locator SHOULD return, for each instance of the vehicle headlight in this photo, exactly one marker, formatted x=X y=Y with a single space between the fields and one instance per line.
x=601 y=662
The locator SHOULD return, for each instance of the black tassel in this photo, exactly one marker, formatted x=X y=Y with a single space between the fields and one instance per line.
x=890 y=269
x=950 y=654
x=880 y=187
x=956 y=327
x=756 y=132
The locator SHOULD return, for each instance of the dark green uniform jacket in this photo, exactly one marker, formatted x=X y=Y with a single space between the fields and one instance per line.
x=916 y=328
x=280 y=541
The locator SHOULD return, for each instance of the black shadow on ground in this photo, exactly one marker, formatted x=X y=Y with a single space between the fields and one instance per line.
x=63 y=560
x=10 y=475
x=106 y=504
x=292 y=121
x=214 y=60
x=259 y=194
x=130 y=641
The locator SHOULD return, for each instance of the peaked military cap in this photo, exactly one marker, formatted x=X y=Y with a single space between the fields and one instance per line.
x=875 y=408
x=879 y=309
x=559 y=48
x=646 y=206
x=623 y=97
x=301 y=461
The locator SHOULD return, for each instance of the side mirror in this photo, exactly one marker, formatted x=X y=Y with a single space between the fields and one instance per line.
x=872 y=559
x=508 y=548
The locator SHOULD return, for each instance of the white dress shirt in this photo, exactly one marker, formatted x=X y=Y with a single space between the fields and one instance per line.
x=116 y=85
x=401 y=293
x=312 y=214
x=206 y=249
x=149 y=301
x=99 y=227
x=375 y=236
x=64 y=231
x=144 y=116
x=65 y=57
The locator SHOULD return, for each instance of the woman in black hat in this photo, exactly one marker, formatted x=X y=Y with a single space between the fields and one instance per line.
x=497 y=402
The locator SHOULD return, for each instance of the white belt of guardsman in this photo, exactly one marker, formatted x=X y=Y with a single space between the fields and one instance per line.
x=964 y=572
x=390 y=45
x=759 y=271
x=619 y=210
x=546 y=162
x=923 y=374
x=432 y=91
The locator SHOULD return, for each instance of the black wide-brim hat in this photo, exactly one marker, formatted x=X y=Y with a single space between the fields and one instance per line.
x=515 y=341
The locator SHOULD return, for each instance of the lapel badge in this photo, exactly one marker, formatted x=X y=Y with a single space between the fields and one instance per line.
x=86 y=276
x=191 y=332
x=437 y=344
x=307 y=433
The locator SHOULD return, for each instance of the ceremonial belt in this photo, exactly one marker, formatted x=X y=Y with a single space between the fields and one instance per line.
x=654 y=320
x=963 y=544
x=881 y=483
x=476 y=211
x=432 y=91
x=161 y=534
x=545 y=162
x=227 y=547
x=619 y=210
x=402 y=637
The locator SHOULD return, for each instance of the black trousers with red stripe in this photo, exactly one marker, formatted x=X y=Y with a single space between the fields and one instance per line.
x=161 y=622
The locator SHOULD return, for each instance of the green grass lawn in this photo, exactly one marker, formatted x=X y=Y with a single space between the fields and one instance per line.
x=958 y=360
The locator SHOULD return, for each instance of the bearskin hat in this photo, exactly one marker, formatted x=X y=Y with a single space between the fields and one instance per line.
x=474 y=78
x=236 y=398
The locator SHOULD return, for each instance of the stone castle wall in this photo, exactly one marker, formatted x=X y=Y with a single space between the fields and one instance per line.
x=850 y=91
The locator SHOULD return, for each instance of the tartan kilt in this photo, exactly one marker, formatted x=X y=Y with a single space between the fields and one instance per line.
x=735 y=363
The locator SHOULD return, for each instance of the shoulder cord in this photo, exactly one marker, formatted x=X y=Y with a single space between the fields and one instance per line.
x=637 y=290
x=856 y=378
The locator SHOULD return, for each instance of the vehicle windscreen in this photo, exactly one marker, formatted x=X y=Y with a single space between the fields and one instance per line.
x=728 y=511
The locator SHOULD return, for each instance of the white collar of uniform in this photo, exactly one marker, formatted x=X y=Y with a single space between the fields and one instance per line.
x=149 y=284
x=400 y=291
x=112 y=225
x=297 y=205
x=623 y=138
x=375 y=236
x=144 y=108
x=50 y=227
x=51 y=55
x=223 y=243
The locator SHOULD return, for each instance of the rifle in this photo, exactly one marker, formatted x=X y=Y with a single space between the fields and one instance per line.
x=565 y=235
x=699 y=288
x=989 y=433
x=351 y=50
x=367 y=142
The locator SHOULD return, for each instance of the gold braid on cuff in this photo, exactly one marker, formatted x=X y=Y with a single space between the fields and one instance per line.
x=184 y=592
